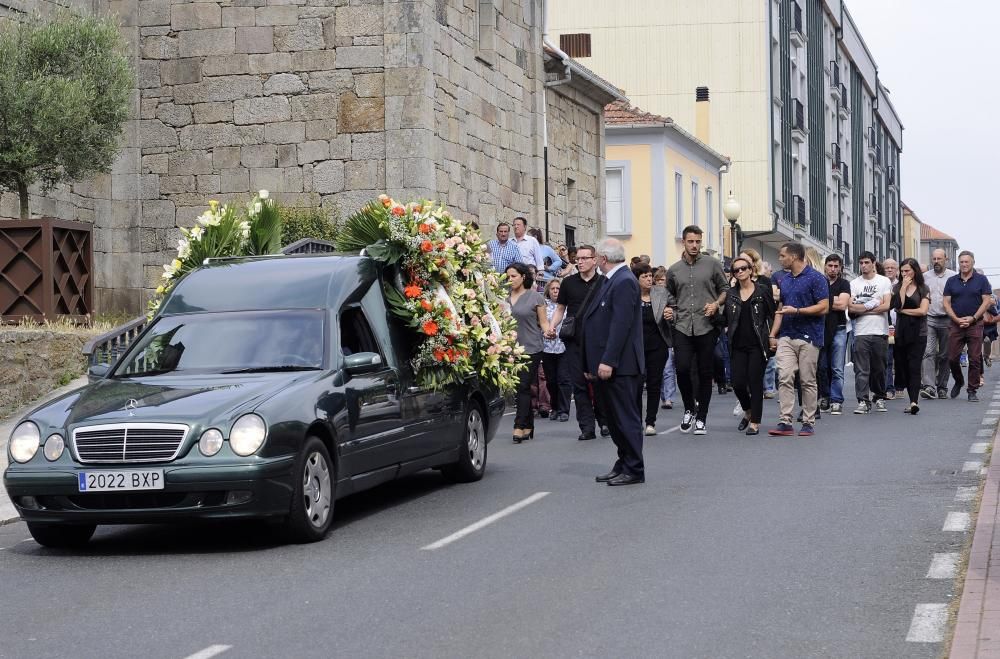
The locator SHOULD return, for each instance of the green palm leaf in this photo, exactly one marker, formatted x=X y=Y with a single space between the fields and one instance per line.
x=265 y=230
x=362 y=229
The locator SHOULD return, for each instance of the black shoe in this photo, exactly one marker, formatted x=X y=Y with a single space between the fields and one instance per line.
x=753 y=431
x=824 y=404
x=563 y=418
x=722 y=388
x=610 y=476
x=626 y=479
x=584 y=436
x=942 y=393
x=543 y=414
x=605 y=431
x=956 y=389
x=973 y=398
x=744 y=424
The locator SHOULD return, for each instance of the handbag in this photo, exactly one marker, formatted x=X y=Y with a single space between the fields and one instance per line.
x=567 y=330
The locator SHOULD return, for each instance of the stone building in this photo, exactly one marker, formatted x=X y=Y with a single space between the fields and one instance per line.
x=334 y=102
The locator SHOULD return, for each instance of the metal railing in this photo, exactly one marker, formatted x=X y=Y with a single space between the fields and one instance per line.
x=108 y=347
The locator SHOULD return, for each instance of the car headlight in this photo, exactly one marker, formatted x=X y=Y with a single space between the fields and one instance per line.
x=248 y=434
x=54 y=447
x=210 y=442
x=24 y=442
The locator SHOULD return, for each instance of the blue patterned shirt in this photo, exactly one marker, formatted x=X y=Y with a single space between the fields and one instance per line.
x=503 y=255
x=809 y=288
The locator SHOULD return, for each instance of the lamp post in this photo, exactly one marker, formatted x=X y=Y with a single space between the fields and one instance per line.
x=732 y=212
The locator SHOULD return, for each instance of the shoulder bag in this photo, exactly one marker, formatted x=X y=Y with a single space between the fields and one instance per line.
x=567 y=331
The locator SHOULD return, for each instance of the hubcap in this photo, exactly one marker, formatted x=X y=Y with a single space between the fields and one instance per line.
x=476 y=440
x=316 y=489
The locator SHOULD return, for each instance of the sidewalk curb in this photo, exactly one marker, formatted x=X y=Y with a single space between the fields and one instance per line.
x=977 y=629
x=8 y=515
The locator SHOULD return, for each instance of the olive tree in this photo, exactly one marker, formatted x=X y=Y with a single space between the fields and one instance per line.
x=65 y=87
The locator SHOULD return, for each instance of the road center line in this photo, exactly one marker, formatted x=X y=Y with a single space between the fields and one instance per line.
x=209 y=652
x=956 y=522
x=928 y=623
x=943 y=566
x=486 y=521
x=979 y=447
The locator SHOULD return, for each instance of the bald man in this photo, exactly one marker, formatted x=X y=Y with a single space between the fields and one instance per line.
x=935 y=369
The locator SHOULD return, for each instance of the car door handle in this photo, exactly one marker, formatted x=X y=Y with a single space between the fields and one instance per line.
x=413 y=390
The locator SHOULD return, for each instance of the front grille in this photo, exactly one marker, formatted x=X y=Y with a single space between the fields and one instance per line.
x=129 y=442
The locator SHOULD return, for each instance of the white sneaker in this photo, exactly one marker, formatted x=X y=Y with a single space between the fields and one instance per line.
x=738 y=410
x=650 y=430
x=880 y=406
x=687 y=421
x=864 y=407
x=699 y=427
x=836 y=408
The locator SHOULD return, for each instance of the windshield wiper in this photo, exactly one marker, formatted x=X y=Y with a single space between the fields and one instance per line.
x=271 y=369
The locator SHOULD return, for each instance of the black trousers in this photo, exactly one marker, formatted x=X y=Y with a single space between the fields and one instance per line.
x=557 y=381
x=908 y=357
x=524 y=418
x=585 y=416
x=656 y=360
x=700 y=349
x=748 y=366
x=620 y=397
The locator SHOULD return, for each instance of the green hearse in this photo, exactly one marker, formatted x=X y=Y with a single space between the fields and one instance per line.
x=265 y=387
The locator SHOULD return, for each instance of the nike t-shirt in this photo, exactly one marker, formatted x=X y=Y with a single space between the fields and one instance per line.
x=863 y=290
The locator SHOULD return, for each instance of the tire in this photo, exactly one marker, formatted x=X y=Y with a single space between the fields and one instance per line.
x=61 y=536
x=314 y=481
x=471 y=464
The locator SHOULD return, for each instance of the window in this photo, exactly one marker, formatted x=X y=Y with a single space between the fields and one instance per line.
x=679 y=203
x=618 y=207
x=575 y=45
x=486 y=26
x=694 y=202
x=570 y=236
x=709 y=217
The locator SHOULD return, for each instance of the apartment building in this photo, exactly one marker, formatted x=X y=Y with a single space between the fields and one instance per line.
x=797 y=104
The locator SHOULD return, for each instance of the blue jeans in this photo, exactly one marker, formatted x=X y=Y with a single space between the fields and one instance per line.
x=770 y=376
x=831 y=367
x=668 y=391
x=723 y=374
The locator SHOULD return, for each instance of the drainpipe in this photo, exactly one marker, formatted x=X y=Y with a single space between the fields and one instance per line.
x=567 y=76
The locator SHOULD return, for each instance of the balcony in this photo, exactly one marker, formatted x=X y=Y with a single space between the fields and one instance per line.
x=874 y=212
x=872 y=140
x=845 y=182
x=843 y=109
x=798 y=121
x=891 y=176
x=799 y=213
x=836 y=163
x=878 y=155
x=797 y=35
x=835 y=84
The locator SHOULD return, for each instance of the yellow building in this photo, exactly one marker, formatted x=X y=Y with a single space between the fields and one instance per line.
x=660 y=179
x=911 y=235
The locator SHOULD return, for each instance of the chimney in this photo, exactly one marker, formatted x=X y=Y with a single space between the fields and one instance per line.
x=701 y=116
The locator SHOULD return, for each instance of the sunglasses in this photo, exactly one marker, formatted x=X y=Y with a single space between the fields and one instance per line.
x=742 y=268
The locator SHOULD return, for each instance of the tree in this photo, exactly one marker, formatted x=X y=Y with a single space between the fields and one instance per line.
x=65 y=87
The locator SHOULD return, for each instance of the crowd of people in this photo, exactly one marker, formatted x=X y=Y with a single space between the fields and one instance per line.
x=620 y=339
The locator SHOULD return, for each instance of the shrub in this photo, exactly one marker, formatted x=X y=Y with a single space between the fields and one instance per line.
x=308 y=222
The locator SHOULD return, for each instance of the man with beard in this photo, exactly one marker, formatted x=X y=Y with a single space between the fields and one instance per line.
x=871 y=296
x=967 y=297
x=935 y=367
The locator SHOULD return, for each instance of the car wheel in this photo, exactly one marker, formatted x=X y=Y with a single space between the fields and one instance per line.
x=471 y=464
x=313 y=497
x=61 y=536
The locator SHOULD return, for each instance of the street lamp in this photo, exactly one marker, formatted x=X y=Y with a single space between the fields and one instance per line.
x=732 y=212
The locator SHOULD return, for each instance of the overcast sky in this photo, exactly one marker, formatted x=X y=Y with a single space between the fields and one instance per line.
x=939 y=61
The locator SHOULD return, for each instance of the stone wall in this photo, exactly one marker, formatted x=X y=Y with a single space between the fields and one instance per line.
x=33 y=362
x=576 y=165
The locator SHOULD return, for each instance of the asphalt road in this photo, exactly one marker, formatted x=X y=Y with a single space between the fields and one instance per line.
x=734 y=547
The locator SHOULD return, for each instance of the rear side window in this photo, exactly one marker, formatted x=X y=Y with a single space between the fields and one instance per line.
x=356 y=333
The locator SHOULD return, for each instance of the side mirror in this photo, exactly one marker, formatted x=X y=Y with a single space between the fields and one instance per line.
x=362 y=362
x=97 y=372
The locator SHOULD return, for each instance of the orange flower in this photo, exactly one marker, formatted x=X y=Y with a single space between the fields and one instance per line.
x=430 y=328
x=438 y=354
x=427 y=306
x=418 y=209
x=426 y=246
x=413 y=291
x=424 y=228
x=447 y=314
x=386 y=201
x=398 y=210
x=440 y=263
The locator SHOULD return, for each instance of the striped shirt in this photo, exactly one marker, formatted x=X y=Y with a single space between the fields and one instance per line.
x=503 y=254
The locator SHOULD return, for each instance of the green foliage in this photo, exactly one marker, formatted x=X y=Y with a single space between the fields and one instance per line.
x=265 y=228
x=65 y=84
x=363 y=229
x=308 y=222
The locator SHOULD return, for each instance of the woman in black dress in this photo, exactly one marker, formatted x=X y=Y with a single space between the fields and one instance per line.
x=656 y=340
x=911 y=299
x=749 y=314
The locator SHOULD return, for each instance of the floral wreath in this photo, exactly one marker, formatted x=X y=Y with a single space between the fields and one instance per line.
x=448 y=291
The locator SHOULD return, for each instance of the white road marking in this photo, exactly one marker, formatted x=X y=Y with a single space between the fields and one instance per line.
x=989 y=421
x=984 y=433
x=966 y=493
x=943 y=566
x=928 y=623
x=972 y=465
x=486 y=521
x=209 y=652
x=979 y=447
x=669 y=430
x=956 y=522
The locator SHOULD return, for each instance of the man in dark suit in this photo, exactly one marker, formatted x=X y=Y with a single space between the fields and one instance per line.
x=614 y=360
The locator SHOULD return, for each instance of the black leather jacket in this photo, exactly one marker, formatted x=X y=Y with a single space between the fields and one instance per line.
x=762 y=311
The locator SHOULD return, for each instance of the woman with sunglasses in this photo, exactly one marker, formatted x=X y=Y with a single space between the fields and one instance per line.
x=750 y=311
